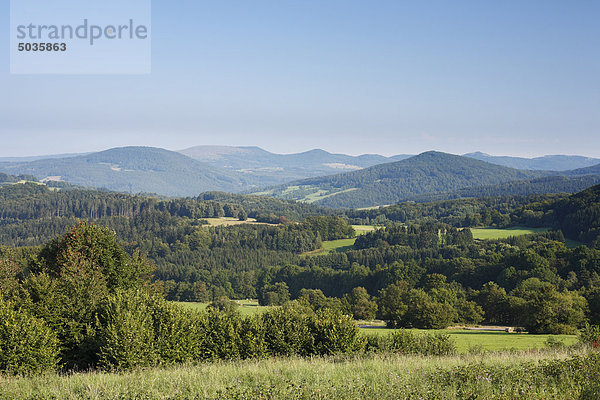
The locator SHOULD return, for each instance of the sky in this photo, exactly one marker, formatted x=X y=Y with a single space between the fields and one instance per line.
x=390 y=77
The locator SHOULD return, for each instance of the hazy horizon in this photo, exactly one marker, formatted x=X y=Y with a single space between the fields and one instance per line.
x=285 y=152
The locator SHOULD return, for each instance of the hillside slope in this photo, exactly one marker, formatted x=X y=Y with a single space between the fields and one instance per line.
x=430 y=172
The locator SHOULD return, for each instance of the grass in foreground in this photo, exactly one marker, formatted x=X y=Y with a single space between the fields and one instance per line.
x=493 y=376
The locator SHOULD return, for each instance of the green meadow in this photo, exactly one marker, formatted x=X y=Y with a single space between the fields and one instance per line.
x=493 y=233
x=467 y=340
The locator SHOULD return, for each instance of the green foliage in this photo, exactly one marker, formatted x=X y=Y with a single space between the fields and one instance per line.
x=545 y=310
x=330 y=228
x=287 y=331
x=590 y=335
x=27 y=344
x=96 y=247
x=335 y=333
x=224 y=304
x=426 y=344
x=276 y=294
x=126 y=337
x=360 y=304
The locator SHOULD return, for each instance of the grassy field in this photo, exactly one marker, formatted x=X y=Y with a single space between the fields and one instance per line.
x=341 y=245
x=362 y=229
x=227 y=221
x=493 y=376
x=470 y=340
x=492 y=233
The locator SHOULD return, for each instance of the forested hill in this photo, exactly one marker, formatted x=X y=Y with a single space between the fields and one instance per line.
x=579 y=216
x=430 y=172
x=546 y=185
x=135 y=170
x=31 y=214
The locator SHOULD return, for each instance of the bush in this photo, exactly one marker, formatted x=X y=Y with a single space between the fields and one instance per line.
x=27 y=344
x=407 y=342
x=590 y=335
x=126 y=335
x=335 y=333
x=286 y=331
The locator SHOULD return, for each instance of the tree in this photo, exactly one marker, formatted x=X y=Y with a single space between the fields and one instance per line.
x=276 y=294
x=545 y=310
x=392 y=305
x=360 y=304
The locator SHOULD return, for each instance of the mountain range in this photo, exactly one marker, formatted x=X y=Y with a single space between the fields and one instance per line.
x=548 y=163
x=316 y=176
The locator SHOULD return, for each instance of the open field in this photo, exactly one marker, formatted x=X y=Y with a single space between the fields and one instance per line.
x=341 y=245
x=227 y=221
x=467 y=340
x=330 y=246
x=493 y=376
x=362 y=229
x=323 y=194
x=492 y=233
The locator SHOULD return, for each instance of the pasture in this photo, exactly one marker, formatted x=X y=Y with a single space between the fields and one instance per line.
x=493 y=233
x=227 y=221
x=468 y=340
x=341 y=245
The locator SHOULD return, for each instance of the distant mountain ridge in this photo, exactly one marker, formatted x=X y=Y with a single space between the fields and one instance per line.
x=547 y=163
x=273 y=169
x=315 y=176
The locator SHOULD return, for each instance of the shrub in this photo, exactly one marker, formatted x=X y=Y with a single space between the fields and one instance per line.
x=27 y=344
x=287 y=331
x=178 y=333
x=220 y=335
x=335 y=333
x=126 y=335
x=407 y=342
x=590 y=335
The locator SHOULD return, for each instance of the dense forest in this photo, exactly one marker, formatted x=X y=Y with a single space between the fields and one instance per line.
x=421 y=268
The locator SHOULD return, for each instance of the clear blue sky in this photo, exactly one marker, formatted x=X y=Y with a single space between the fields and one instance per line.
x=389 y=77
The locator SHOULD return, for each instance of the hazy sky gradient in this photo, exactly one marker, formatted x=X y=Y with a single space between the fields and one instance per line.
x=388 y=77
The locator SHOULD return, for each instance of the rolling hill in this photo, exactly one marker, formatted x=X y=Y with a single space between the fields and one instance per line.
x=135 y=170
x=275 y=169
x=430 y=172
